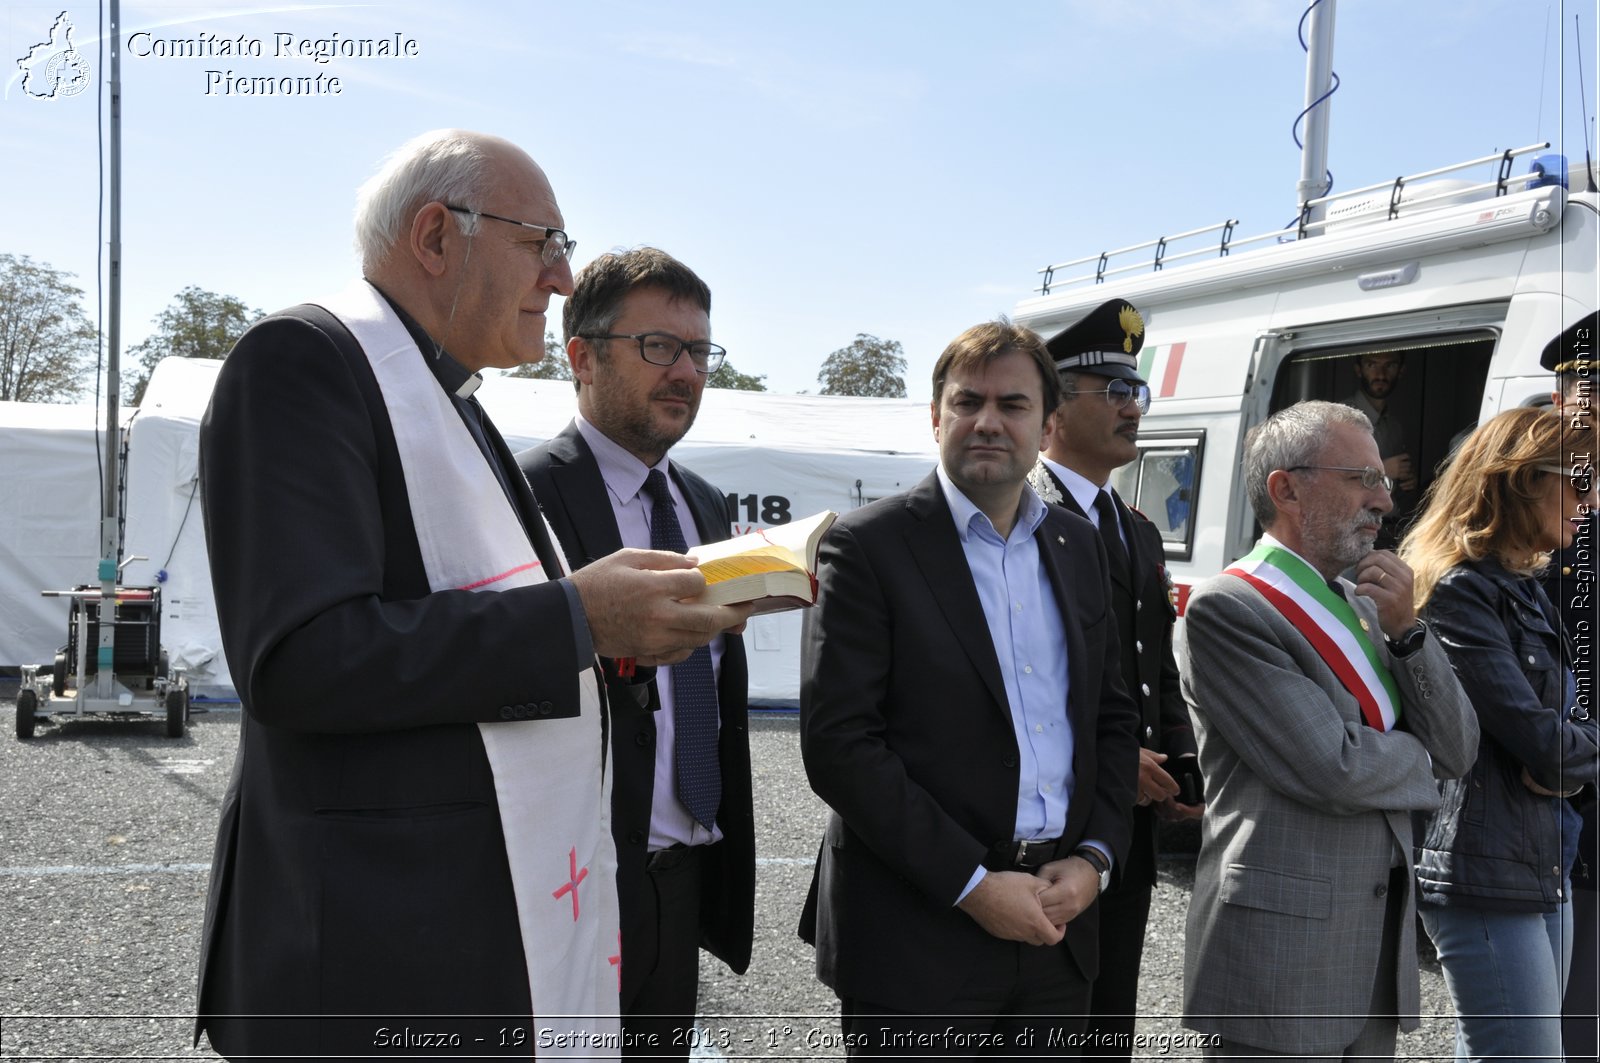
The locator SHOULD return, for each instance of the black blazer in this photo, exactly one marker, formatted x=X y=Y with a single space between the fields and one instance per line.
x=1149 y=669
x=360 y=866
x=906 y=733
x=567 y=480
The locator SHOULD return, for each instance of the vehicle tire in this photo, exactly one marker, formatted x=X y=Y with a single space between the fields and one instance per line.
x=177 y=711
x=27 y=710
x=58 y=678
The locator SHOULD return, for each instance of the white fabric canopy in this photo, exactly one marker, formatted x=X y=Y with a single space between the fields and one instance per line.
x=776 y=455
x=50 y=458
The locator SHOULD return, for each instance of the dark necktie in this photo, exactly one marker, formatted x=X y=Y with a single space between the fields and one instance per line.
x=1106 y=513
x=694 y=687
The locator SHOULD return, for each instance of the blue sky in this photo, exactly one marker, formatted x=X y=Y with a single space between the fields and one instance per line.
x=896 y=168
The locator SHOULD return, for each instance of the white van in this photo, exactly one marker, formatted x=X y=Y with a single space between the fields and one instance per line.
x=1467 y=282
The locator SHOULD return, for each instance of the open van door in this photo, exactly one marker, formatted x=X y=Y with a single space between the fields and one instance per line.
x=1420 y=376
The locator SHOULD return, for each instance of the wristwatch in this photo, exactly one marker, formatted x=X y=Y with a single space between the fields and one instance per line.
x=1409 y=643
x=1096 y=861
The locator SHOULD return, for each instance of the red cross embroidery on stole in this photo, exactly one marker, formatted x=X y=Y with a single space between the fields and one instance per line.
x=574 y=877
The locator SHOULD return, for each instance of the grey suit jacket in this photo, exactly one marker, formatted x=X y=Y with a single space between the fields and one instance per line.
x=1307 y=811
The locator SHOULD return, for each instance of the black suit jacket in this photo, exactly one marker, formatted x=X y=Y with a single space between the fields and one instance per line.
x=1149 y=669
x=360 y=866
x=906 y=733
x=567 y=480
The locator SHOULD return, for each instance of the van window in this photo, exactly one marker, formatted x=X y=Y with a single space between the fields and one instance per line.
x=1420 y=392
x=1162 y=484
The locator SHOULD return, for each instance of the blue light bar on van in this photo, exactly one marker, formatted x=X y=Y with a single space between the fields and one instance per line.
x=1551 y=168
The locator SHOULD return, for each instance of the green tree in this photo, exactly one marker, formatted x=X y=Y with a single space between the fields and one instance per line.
x=728 y=377
x=196 y=324
x=869 y=366
x=47 y=344
x=553 y=366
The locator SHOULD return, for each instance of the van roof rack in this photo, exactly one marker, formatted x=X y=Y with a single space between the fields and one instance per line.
x=1346 y=207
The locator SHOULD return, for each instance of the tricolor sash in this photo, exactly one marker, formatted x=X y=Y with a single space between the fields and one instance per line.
x=1329 y=623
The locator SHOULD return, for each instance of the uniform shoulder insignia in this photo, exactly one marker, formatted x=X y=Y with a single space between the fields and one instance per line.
x=1043 y=484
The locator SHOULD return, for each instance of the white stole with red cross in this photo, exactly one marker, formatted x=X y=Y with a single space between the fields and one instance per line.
x=551 y=776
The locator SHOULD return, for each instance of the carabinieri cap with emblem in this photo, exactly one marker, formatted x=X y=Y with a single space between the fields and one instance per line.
x=1106 y=342
x=1573 y=351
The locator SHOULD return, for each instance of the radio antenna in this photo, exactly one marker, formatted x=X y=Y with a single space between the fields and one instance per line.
x=1583 y=95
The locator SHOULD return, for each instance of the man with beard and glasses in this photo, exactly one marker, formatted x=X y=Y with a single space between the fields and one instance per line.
x=1325 y=714
x=638 y=332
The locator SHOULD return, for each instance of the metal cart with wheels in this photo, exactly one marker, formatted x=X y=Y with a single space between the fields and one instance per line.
x=136 y=681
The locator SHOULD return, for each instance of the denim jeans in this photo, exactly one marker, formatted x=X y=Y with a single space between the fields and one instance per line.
x=1506 y=972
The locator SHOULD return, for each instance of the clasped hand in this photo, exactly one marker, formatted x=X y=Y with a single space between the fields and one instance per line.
x=1033 y=909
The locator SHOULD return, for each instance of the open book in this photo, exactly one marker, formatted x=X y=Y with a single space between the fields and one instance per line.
x=776 y=568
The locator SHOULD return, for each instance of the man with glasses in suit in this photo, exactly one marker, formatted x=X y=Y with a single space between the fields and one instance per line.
x=638 y=330
x=1325 y=714
x=412 y=845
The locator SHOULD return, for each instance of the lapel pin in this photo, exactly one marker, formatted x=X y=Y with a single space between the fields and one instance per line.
x=1365 y=626
x=1061 y=540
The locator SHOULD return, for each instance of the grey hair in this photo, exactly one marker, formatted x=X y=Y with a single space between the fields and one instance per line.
x=447 y=165
x=1289 y=438
x=1069 y=383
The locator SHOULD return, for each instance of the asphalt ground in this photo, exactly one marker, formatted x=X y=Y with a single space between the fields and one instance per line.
x=106 y=830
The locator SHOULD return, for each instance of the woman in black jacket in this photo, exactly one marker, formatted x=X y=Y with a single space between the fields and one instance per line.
x=1493 y=871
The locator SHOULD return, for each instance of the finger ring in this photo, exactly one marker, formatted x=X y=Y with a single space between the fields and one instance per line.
x=1381 y=574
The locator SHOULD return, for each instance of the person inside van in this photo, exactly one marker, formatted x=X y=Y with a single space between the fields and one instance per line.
x=1377 y=375
x=1493 y=871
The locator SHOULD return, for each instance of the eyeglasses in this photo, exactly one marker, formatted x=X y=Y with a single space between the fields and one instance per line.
x=1370 y=478
x=555 y=246
x=662 y=348
x=1119 y=392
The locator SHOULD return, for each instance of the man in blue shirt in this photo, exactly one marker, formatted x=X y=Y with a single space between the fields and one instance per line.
x=981 y=779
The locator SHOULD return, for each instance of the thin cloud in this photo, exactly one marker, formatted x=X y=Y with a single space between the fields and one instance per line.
x=828 y=94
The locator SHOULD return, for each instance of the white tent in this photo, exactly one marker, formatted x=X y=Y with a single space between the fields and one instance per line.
x=778 y=456
x=50 y=458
